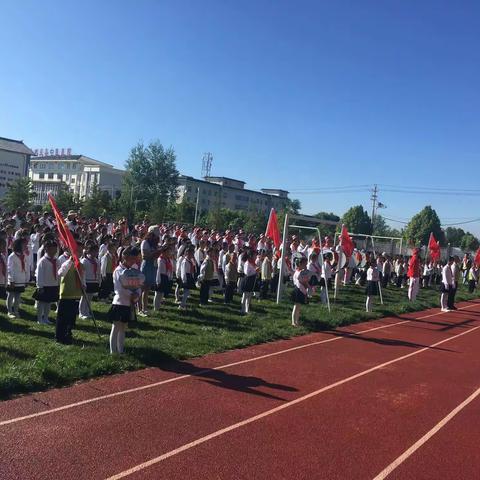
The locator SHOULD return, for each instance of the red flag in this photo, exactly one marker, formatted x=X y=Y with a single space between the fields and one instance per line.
x=477 y=257
x=346 y=242
x=64 y=233
x=272 y=231
x=434 y=248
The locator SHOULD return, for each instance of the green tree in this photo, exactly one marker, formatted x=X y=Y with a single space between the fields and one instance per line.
x=151 y=179
x=469 y=242
x=356 y=220
x=417 y=231
x=65 y=200
x=98 y=203
x=454 y=236
x=19 y=195
x=327 y=229
x=183 y=212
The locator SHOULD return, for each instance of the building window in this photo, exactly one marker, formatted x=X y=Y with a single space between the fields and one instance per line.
x=74 y=166
x=41 y=176
x=42 y=165
x=50 y=176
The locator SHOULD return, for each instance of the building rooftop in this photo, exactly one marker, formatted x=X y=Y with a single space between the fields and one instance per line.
x=86 y=160
x=17 y=146
x=217 y=179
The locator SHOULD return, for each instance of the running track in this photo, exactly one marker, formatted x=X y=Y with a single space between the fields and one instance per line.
x=396 y=398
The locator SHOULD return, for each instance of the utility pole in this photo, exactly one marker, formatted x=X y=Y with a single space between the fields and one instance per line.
x=374 y=199
x=196 y=206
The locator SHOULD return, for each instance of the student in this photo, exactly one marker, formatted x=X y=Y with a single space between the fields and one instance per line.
x=206 y=277
x=371 y=290
x=446 y=285
x=127 y=293
x=18 y=276
x=266 y=275
x=71 y=283
x=248 y=284
x=47 y=282
x=231 y=277
x=299 y=294
x=3 y=269
x=35 y=244
x=164 y=277
x=472 y=277
x=149 y=253
x=413 y=274
x=315 y=269
x=108 y=264
x=92 y=278
x=456 y=274
x=187 y=275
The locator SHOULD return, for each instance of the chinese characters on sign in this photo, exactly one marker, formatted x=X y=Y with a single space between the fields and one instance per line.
x=43 y=152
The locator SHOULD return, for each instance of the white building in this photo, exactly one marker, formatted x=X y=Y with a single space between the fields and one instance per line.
x=79 y=172
x=215 y=192
x=14 y=161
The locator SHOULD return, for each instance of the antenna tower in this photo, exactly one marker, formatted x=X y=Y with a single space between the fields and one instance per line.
x=207 y=160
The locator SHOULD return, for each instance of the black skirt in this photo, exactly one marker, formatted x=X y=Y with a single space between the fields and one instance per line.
x=165 y=285
x=443 y=288
x=16 y=288
x=46 y=294
x=121 y=313
x=248 y=283
x=106 y=287
x=92 y=287
x=190 y=283
x=298 y=296
x=371 y=288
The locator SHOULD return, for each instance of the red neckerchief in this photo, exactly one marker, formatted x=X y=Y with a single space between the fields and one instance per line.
x=53 y=261
x=21 y=256
x=4 y=267
x=95 y=266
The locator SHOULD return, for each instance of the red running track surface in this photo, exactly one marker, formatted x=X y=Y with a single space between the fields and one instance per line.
x=334 y=405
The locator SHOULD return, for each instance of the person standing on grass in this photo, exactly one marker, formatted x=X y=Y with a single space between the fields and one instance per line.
x=18 y=276
x=47 y=282
x=472 y=278
x=92 y=277
x=249 y=279
x=127 y=285
x=164 y=278
x=413 y=274
x=446 y=285
x=3 y=269
x=456 y=274
x=149 y=250
x=71 y=283
x=301 y=284
x=231 y=277
x=206 y=276
x=266 y=274
x=371 y=290
x=108 y=264
x=186 y=278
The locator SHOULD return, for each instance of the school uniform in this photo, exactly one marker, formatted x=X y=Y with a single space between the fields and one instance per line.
x=108 y=264
x=250 y=276
x=3 y=276
x=472 y=279
x=91 y=268
x=373 y=277
x=122 y=312
x=453 y=290
x=71 y=284
x=34 y=246
x=231 y=278
x=187 y=278
x=299 y=294
x=18 y=276
x=164 y=277
x=206 y=278
x=48 y=286
x=266 y=276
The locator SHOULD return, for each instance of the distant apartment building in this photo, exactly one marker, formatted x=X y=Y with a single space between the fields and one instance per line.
x=79 y=172
x=14 y=160
x=222 y=192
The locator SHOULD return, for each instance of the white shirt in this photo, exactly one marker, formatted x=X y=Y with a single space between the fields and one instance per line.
x=34 y=242
x=296 y=280
x=372 y=274
x=89 y=266
x=122 y=295
x=16 y=274
x=45 y=273
x=249 y=269
x=447 y=276
x=62 y=259
x=187 y=268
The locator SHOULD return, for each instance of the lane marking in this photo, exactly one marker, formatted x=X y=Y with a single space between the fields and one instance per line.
x=267 y=413
x=396 y=463
x=206 y=370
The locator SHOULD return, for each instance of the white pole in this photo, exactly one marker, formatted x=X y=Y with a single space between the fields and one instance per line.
x=196 y=206
x=282 y=259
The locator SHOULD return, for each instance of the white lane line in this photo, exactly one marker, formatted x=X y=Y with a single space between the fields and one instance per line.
x=203 y=371
x=255 y=418
x=387 y=471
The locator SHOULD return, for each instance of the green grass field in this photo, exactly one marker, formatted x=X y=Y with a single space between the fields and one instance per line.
x=30 y=360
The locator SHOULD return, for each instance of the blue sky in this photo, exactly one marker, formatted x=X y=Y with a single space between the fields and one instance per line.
x=289 y=94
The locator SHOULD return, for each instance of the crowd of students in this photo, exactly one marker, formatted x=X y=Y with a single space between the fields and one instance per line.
x=123 y=265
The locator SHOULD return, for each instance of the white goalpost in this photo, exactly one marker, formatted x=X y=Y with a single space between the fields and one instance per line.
x=286 y=226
